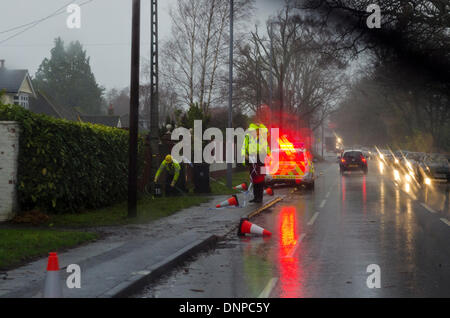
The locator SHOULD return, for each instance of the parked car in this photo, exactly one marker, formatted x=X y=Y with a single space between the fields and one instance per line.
x=353 y=160
x=295 y=166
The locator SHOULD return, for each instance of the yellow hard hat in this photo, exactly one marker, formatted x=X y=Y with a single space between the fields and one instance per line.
x=169 y=158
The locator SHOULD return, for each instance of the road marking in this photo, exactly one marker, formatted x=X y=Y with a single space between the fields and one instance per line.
x=296 y=246
x=323 y=204
x=268 y=289
x=328 y=195
x=427 y=207
x=313 y=219
x=446 y=221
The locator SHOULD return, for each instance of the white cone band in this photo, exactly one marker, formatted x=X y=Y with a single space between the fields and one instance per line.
x=255 y=229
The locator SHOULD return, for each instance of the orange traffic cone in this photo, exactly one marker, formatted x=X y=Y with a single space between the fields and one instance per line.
x=233 y=201
x=269 y=191
x=247 y=227
x=53 y=288
x=242 y=186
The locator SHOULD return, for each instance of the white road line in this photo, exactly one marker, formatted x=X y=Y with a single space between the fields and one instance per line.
x=296 y=246
x=268 y=289
x=313 y=219
x=323 y=204
x=328 y=195
x=427 y=207
x=446 y=221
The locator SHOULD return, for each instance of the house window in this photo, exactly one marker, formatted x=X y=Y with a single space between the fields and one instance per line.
x=21 y=100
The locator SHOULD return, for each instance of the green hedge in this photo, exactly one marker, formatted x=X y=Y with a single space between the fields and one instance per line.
x=67 y=166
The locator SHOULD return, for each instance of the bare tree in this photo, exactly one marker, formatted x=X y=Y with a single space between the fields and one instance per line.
x=308 y=81
x=196 y=54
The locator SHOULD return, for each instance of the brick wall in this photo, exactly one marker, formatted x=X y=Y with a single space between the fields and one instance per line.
x=9 y=151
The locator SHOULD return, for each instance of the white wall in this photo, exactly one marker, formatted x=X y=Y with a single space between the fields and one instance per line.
x=9 y=151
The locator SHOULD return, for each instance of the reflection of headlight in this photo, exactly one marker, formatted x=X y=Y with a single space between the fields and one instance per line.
x=381 y=156
x=396 y=160
x=427 y=181
x=407 y=187
x=408 y=178
x=396 y=175
x=409 y=165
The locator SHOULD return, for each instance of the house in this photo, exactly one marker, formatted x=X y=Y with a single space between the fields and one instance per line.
x=125 y=123
x=16 y=86
x=18 y=89
x=110 y=120
x=44 y=104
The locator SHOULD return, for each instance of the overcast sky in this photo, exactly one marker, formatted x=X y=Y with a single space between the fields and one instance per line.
x=105 y=33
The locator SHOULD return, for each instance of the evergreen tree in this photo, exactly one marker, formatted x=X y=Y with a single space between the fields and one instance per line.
x=67 y=77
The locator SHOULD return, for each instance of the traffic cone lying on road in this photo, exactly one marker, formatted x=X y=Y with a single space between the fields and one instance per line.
x=247 y=227
x=242 y=186
x=269 y=191
x=233 y=201
x=53 y=288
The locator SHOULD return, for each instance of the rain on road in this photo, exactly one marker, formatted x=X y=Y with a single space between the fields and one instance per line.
x=323 y=242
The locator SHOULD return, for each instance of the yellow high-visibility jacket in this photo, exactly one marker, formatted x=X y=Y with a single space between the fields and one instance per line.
x=252 y=143
x=172 y=168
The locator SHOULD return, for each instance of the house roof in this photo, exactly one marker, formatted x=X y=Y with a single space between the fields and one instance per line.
x=125 y=122
x=107 y=120
x=11 y=80
x=44 y=104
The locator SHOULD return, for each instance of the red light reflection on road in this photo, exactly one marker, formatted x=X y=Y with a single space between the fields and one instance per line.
x=343 y=190
x=288 y=235
x=290 y=272
x=364 y=195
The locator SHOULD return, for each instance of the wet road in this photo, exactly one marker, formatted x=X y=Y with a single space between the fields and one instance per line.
x=324 y=241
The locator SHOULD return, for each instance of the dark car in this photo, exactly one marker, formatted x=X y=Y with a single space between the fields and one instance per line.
x=353 y=160
x=434 y=168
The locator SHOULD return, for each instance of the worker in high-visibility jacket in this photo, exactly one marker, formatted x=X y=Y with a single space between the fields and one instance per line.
x=254 y=150
x=173 y=169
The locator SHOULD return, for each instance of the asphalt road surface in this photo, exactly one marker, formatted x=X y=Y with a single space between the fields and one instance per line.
x=331 y=243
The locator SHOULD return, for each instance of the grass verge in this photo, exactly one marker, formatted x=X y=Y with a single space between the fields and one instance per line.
x=218 y=186
x=149 y=208
x=21 y=245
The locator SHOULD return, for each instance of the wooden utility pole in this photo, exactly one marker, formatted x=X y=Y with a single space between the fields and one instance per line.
x=230 y=93
x=134 y=110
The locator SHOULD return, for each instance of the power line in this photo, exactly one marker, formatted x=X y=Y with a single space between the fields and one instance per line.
x=84 y=44
x=35 y=23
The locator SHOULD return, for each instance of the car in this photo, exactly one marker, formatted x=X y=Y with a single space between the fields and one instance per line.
x=353 y=160
x=295 y=166
x=409 y=162
x=433 y=168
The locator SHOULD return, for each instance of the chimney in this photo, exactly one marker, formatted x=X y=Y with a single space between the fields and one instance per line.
x=111 y=110
x=2 y=63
